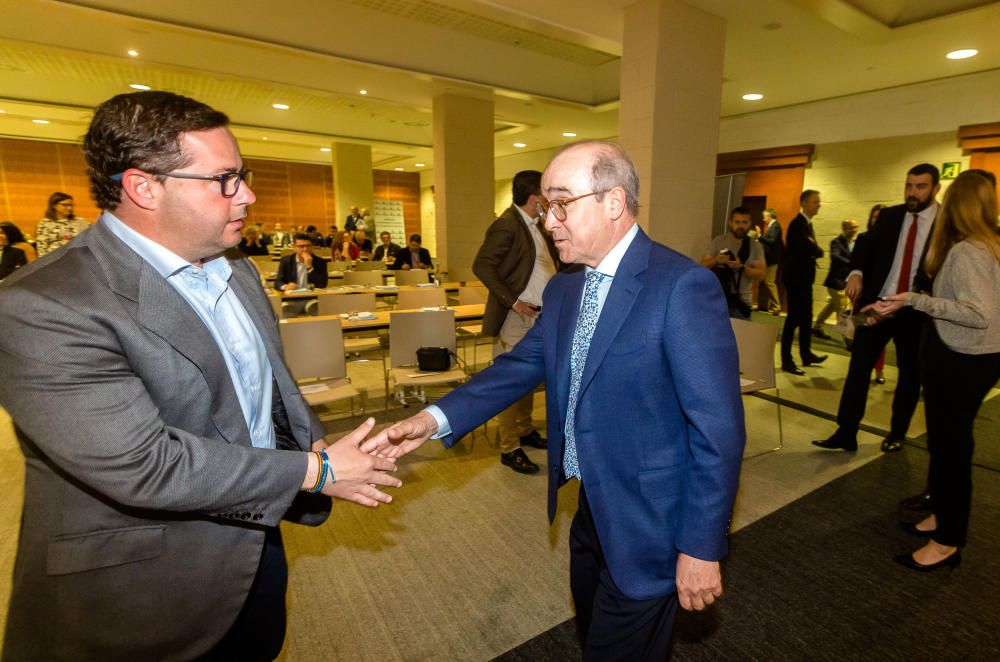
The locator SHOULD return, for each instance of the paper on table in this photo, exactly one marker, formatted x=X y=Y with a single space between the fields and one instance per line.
x=357 y=317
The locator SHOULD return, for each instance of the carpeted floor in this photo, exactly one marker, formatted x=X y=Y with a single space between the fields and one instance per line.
x=815 y=581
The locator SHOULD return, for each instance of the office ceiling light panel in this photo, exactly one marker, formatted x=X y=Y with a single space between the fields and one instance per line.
x=899 y=14
x=470 y=24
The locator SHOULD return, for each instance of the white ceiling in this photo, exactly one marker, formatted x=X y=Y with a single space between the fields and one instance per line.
x=548 y=67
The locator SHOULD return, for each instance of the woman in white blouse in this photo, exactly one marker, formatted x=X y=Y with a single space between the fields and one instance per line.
x=960 y=357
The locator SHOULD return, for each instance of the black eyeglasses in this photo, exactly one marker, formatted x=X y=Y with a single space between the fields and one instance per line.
x=229 y=182
x=558 y=206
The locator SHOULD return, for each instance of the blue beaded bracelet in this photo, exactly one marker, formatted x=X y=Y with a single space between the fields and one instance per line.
x=322 y=472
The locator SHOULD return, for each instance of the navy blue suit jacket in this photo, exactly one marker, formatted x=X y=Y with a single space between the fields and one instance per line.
x=659 y=419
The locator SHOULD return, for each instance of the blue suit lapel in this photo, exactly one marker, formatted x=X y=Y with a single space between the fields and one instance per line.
x=624 y=290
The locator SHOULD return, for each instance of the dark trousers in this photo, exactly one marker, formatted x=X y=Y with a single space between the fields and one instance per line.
x=954 y=387
x=904 y=329
x=799 y=300
x=259 y=630
x=610 y=625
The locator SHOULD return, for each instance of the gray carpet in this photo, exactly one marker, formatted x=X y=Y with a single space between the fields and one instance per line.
x=815 y=581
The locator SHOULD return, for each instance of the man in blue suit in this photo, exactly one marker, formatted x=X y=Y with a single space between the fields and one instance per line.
x=638 y=328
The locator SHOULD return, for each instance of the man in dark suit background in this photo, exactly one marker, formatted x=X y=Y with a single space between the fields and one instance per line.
x=11 y=258
x=386 y=251
x=515 y=262
x=887 y=263
x=301 y=269
x=164 y=438
x=643 y=407
x=798 y=272
x=841 y=248
x=774 y=246
x=414 y=256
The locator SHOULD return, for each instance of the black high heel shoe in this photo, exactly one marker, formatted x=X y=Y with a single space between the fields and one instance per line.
x=912 y=529
x=907 y=561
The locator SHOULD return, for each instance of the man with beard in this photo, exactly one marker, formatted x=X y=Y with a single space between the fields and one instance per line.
x=886 y=264
x=738 y=261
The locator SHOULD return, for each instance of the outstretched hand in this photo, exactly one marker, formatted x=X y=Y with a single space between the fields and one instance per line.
x=359 y=472
x=403 y=437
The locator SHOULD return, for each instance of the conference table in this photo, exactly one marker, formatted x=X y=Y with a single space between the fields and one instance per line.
x=379 y=291
x=378 y=320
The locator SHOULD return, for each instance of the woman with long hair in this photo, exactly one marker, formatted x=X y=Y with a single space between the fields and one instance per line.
x=60 y=224
x=961 y=357
x=16 y=239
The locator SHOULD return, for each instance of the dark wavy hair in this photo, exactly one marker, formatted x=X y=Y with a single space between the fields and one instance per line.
x=55 y=199
x=141 y=130
x=14 y=234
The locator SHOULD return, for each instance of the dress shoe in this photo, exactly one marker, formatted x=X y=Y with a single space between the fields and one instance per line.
x=908 y=561
x=820 y=333
x=815 y=359
x=911 y=528
x=891 y=444
x=837 y=442
x=519 y=462
x=534 y=440
x=880 y=380
x=793 y=369
x=918 y=502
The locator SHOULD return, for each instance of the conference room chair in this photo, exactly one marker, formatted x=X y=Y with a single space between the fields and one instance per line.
x=365 y=278
x=471 y=332
x=425 y=297
x=460 y=275
x=368 y=265
x=409 y=331
x=355 y=302
x=314 y=352
x=412 y=277
x=277 y=305
x=755 y=344
x=324 y=253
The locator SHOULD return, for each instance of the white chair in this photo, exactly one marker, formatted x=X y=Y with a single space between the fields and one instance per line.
x=356 y=302
x=314 y=352
x=368 y=265
x=471 y=331
x=425 y=297
x=755 y=344
x=409 y=331
x=412 y=277
x=366 y=278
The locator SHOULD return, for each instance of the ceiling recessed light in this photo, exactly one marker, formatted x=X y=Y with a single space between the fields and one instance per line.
x=324 y=149
x=263 y=137
x=419 y=165
x=520 y=145
x=133 y=52
x=961 y=54
x=140 y=86
x=753 y=96
x=2 y=110
x=40 y=121
x=569 y=134
x=279 y=106
x=398 y=169
x=362 y=92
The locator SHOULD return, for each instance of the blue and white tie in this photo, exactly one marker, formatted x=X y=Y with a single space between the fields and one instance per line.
x=585 y=325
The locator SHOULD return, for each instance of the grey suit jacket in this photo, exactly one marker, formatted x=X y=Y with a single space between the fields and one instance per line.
x=145 y=502
x=504 y=264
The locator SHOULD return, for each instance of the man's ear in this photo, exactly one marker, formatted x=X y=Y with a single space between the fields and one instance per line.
x=141 y=189
x=615 y=200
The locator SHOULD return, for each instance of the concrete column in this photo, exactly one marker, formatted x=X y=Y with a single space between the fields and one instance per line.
x=463 y=177
x=352 y=178
x=671 y=96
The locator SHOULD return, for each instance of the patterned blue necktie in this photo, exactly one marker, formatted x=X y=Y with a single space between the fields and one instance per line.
x=585 y=325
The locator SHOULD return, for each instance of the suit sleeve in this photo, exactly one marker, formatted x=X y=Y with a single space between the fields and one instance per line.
x=282 y=277
x=496 y=246
x=70 y=387
x=839 y=253
x=320 y=276
x=704 y=366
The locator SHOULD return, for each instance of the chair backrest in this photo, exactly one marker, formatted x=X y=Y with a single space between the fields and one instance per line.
x=470 y=294
x=264 y=263
x=275 y=300
x=324 y=253
x=314 y=348
x=287 y=251
x=425 y=297
x=408 y=331
x=755 y=343
x=412 y=277
x=460 y=274
x=368 y=265
x=335 y=304
x=366 y=278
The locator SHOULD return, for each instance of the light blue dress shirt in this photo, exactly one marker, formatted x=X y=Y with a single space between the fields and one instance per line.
x=207 y=291
x=608 y=266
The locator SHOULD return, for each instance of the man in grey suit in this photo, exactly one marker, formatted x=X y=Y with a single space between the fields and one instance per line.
x=515 y=262
x=163 y=435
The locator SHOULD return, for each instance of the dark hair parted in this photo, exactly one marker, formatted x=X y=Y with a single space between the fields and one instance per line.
x=526 y=183
x=14 y=234
x=141 y=130
x=55 y=199
x=415 y=238
x=805 y=195
x=926 y=169
x=739 y=210
x=302 y=236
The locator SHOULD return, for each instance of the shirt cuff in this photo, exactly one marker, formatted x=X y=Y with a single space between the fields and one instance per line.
x=856 y=272
x=444 y=427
